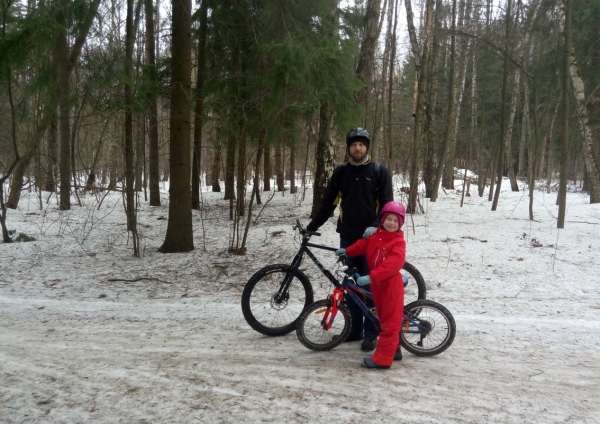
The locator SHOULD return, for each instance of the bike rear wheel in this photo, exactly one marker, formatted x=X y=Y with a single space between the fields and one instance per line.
x=416 y=288
x=266 y=308
x=429 y=330
x=310 y=329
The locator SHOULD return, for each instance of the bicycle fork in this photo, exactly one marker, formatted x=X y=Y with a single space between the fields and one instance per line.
x=336 y=297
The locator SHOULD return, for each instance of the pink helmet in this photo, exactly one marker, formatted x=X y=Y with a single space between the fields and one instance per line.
x=396 y=208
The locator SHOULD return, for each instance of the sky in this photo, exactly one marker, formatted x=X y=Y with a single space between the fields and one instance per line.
x=90 y=334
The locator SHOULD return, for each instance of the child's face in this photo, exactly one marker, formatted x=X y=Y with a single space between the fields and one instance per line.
x=391 y=223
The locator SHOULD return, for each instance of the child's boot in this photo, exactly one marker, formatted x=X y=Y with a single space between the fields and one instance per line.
x=370 y=364
x=398 y=354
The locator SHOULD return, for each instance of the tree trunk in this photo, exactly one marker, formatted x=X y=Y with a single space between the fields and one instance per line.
x=525 y=139
x=325 y=160
x=51 y=155
x=420 y=109
x=230 y=166
x=508 y=137
x=153 y=150
x=430 y=131
x=364 y=69
x=564 y=144
x=500 y=159
x=259 y=155
x=241 y=172
x=412 y=34
x=179 y=237
x=292 y=169
x=484 y=165
x=62 y=54
x=199 y=110
x=390 y=109
x=590 y=160
x=268 y=170
x=279 y=180
x=216 y=168
x=129 y=152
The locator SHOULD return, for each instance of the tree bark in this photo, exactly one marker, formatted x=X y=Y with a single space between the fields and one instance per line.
x=241 y=172
x=590 y=160
x=412 y=35
x=129 y=151
x=51 y=155
x=216 y=168
x=430 y=131
x=420 y=110
x=364 y=69
x=153 y=154
x=268 y=169
x=500 y=158
x=230 y=166
x=564 y=144
x=508 y=137
x=199 y=110
x=179 y=237
x=390 y=109
x=62 y=54
x=279 y=164
x=325 y=160
x=292 y=169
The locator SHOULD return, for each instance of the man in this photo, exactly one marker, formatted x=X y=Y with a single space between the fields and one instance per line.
x=361 y=188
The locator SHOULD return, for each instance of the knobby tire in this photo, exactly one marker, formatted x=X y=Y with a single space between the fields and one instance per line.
x=435 y=332
x=269 y=312
x=310 y=330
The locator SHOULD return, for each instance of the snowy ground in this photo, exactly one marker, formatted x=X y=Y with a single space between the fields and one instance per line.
x=90 y=334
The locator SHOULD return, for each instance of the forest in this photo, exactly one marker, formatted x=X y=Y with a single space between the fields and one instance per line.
x=232 y=95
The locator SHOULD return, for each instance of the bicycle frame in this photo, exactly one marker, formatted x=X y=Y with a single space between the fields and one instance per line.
x=349 y=289
x=305 y=249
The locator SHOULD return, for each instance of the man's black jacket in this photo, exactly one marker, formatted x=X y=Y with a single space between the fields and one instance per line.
x=361 y=191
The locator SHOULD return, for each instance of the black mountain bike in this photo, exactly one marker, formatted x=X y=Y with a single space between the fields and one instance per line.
x=275 y=296
x=428 y=328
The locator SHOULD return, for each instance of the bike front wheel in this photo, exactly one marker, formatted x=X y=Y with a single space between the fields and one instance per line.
x=416 y=288
x=310 y=329
x=428 y=328
x=269 y=306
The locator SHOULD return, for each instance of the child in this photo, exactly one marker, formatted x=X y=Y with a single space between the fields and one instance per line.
x=386 y=253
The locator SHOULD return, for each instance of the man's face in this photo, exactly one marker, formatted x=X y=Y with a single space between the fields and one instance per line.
x=357 y=151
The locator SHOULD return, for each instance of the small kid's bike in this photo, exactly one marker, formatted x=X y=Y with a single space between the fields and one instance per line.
x=428 y=328
x=275 y=296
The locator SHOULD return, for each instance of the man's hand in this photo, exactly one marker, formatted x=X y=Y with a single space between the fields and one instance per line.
x=369 y=231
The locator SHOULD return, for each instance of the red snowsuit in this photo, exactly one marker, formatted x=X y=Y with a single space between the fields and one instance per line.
x=386 y=254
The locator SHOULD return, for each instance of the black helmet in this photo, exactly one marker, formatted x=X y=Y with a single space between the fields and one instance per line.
x=358 y=134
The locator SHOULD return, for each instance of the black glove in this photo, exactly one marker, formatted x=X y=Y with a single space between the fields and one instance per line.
x=311 y=227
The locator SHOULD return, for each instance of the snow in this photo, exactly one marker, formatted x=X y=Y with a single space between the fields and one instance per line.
x=90 y=334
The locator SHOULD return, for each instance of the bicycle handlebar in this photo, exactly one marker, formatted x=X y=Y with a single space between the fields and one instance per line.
x=303 y=231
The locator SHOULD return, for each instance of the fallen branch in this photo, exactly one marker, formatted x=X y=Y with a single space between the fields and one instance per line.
x=138 y=279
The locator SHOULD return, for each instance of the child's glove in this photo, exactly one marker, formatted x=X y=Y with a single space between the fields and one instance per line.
x=341 y=251
x=363 y=280
x=369 y=231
